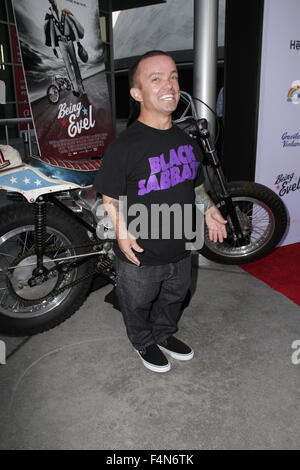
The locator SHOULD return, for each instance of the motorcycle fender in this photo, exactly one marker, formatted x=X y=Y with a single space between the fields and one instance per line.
x=31 y=183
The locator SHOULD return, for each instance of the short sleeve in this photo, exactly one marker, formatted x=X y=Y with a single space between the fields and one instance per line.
x=111 y=177
x=200 y=177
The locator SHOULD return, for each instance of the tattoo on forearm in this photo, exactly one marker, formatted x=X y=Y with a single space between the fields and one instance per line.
x=201 y=197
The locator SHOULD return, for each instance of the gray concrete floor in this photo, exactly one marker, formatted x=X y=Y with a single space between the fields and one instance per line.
x=82 y=386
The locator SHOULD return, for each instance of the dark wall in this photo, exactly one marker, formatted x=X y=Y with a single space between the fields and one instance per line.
x=243 y=39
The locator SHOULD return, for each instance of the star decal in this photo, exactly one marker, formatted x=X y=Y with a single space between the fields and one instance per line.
x=64 y=123
x=13 y=180
x=38 y=182
x=85 y=111
x=26 y=180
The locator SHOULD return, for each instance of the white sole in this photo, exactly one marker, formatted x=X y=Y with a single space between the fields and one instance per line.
x=159 y=369
x=179 y=357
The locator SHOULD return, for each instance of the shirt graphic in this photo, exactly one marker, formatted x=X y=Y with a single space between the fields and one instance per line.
x=181 y=165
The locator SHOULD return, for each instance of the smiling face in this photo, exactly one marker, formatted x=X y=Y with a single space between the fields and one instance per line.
x=156 y=87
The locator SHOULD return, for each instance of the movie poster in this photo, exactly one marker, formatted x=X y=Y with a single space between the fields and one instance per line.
x=21 y=92
x=63 y=60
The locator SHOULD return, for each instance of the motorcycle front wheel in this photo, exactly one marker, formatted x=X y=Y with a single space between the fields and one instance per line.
x=263 y=219
x=26 y=310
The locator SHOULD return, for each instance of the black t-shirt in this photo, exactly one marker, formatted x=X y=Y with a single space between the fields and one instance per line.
x=157 y=170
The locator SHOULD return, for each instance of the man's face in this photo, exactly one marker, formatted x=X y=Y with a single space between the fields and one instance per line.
x=157 y=85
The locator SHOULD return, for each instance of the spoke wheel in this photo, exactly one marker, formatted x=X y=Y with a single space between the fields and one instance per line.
x=27 y=308
x=263 y=220
x=17 y=298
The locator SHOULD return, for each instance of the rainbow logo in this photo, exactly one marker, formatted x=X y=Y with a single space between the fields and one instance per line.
x=294 y=92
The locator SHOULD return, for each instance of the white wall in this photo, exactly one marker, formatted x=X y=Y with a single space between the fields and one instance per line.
x=278 y=145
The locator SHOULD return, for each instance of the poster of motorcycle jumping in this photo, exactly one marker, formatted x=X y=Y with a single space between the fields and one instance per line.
x=63 y=60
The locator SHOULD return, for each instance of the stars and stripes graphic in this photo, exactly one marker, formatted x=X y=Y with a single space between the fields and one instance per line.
x=25 y=180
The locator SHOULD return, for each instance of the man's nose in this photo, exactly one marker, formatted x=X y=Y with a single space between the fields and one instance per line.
x=169 y=83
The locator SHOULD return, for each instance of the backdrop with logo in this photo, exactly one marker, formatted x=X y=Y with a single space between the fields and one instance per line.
x=278 y=144
x=63 y=61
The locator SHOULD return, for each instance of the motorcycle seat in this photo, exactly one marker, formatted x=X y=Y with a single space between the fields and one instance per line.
x=81 y=172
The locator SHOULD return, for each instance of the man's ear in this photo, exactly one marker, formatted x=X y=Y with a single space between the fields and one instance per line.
x=136 y=94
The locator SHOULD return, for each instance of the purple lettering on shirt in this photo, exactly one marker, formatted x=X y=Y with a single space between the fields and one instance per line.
x=186 y=173
x=189 y=153
x=163 y=164
x=174 y=160
x=194 y=167
x=165 y=181
x=142 y=189
x=182 y=166
x=181 y=154
x=175 y=175
x=152 y=184
x=154 y=165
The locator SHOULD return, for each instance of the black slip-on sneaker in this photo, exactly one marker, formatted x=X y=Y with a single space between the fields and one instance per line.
x=176 y=348
x=154 y=359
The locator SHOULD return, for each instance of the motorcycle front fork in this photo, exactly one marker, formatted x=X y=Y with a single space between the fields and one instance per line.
x=225 y=196
x=40 y=224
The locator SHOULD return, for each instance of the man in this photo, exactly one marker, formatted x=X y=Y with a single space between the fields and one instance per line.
x=61 y=30
x=153 y=163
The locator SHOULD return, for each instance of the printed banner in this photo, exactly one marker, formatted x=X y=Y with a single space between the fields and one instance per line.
x=278 y=144
x=63 y=60
x=21 y=93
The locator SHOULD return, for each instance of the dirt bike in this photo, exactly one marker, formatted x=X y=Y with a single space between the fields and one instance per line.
x=59 y=83
x=55 y=236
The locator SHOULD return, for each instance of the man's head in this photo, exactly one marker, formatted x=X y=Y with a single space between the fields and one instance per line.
x=53 y=3
x=133 y=71
x=153 y=81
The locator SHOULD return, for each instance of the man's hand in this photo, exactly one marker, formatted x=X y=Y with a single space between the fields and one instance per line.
x=215 y=224
x=127 y=243
x=213 y=217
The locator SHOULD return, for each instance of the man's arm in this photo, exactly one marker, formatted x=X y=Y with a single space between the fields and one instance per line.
x=126 y=241
x=213 y=217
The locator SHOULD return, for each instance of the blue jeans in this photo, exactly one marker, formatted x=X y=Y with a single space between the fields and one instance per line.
x=151 y=299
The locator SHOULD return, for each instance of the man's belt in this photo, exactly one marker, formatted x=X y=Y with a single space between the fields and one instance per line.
x=64 y=38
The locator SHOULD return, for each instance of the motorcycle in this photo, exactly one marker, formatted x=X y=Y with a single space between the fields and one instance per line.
x=55 y=236
x=58 y=83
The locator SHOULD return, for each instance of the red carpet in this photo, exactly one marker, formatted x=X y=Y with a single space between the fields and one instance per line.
x=280 y=270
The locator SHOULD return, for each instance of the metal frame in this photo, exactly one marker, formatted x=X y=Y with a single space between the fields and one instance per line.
x=27 y=136
x=206 y=57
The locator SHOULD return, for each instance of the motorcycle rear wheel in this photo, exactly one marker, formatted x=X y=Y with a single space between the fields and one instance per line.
x=263 y=219
x=53 y=94
x=24 y=310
